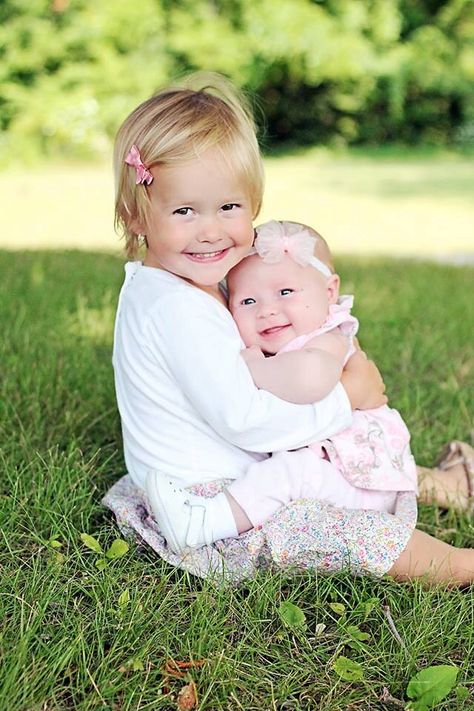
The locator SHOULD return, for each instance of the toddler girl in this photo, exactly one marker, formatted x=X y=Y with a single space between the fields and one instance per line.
x=189 y=181
x=284 y=298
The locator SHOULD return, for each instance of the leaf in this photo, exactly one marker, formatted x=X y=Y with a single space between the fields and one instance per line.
x=54 y=543
x=56 y=558
x=101 y=564
x=91 y=543
x=124 y=598
x=356 y=633
x=319 y=629
x=462 y=693
x=348 y=670
x=117 y=549
x=133 y=664
x=187 y=697
x=292 y=615
x=367 y=606
x=431 y=685
x=338 y=608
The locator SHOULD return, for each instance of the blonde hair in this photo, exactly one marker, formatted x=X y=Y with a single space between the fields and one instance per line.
x=203 y=111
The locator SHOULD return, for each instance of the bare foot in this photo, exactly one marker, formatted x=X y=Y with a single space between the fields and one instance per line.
x=447 y=488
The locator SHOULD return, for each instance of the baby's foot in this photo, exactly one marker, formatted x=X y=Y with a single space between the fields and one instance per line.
x=452 y=483
x=179 y=514
x=440 y=488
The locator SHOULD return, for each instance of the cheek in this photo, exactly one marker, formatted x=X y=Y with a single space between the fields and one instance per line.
x=245 y=232
x=246 y=326
x=319 y=313
x=310 y=316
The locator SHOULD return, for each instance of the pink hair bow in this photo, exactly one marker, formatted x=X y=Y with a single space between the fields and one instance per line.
x=273 y=242
x=134 y=159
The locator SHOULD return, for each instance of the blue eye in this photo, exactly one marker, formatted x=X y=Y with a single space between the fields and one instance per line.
x=248 y=301
x=285 y=292
x=182 y=211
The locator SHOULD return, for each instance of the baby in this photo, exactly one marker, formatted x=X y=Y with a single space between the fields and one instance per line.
x=299 y=334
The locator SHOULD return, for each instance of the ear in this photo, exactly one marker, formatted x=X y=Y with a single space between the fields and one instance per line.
x=138 y=227
x=332 y=287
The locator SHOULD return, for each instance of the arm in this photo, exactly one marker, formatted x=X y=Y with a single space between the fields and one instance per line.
x=302 y=376
x=363 y=383
x=201 y=349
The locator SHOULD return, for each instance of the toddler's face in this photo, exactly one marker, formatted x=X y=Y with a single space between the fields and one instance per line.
x=274 y=303
x=199 y=224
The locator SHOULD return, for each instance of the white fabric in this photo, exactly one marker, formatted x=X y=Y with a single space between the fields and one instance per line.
x=320 y=266
x=187 y=402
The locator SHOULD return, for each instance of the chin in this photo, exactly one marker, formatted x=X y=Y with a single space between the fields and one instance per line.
x=209 y=282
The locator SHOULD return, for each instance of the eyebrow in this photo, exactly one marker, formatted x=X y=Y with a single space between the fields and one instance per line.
x=240 y=197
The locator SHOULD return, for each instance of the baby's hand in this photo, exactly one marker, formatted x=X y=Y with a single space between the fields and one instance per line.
x=250 y=355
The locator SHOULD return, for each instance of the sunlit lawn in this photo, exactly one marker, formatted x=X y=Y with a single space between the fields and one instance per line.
x=408 y=203
x=74 y=637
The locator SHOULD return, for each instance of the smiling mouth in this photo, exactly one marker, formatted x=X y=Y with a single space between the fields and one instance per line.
x=273 y=331
x=207 y=256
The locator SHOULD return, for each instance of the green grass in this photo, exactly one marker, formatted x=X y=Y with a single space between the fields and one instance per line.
x=416 y=203
x=66 y=643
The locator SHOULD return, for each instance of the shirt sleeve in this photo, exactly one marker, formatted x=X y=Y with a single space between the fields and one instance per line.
x=201 y=346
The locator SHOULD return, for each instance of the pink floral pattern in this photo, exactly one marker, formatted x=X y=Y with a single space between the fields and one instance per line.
x=374 y=452
x=306 y=535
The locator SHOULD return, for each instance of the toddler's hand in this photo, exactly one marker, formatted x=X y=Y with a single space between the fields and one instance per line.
x=250 y=355
x=363 y=383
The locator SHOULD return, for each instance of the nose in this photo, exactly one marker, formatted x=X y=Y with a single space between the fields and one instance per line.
x=267 y=308
x=210 y=230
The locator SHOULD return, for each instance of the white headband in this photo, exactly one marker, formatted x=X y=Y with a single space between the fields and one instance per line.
x=273 y=242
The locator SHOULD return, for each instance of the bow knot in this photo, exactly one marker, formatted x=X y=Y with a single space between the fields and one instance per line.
x=143 y=175
x=273 y=242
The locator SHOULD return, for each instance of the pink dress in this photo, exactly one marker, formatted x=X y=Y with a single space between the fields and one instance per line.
x=374 y=452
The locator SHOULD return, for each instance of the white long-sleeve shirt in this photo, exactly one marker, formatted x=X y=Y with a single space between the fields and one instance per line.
x=188 y=404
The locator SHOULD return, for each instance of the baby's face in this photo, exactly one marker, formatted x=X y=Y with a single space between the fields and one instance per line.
x=274 y=303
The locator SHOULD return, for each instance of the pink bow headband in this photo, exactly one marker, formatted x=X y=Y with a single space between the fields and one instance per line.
x=273 y=242
x=143 y=175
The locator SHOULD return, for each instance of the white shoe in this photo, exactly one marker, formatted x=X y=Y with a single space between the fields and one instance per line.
x=181 y=516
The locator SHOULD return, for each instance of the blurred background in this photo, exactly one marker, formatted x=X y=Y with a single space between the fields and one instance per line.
x=365 y=107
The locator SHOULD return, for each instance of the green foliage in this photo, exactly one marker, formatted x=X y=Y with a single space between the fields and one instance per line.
x=91 y=543
x=118 y=549
x=335 y=70
x=430 y=686
x=338 y=608
x=292 y=615
x=348 y=670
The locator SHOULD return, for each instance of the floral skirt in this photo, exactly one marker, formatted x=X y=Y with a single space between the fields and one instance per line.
x=305 y=535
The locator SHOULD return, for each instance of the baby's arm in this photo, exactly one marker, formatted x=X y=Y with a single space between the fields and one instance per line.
x=200 y=347
x=302 y=376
